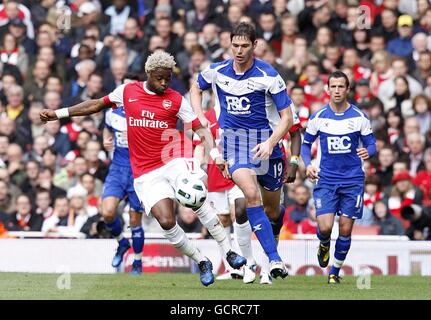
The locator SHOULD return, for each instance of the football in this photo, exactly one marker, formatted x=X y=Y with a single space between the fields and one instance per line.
x=190 y=191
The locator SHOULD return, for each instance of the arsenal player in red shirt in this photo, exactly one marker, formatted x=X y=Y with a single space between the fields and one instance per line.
x=152 y=110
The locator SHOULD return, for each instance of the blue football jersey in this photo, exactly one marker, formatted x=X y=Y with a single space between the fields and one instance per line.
x=115 y=121
x=246 y=104
x=339 y=135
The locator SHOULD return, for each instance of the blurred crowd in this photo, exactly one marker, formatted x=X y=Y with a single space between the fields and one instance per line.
x=58 y=53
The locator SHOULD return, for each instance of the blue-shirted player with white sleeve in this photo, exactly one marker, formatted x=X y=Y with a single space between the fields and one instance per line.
x=345 y=141
x=119 y=185
x=254 y=113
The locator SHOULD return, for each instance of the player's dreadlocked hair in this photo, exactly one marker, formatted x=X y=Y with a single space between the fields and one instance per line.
x=159 y=59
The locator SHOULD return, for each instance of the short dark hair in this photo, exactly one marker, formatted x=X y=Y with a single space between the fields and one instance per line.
x=377 y=34
x=394 y=12
x=244 y=30
x=164 y=18
x=374 y=179
x=51 y=150
x=312 y=64
x=34 y=161
x=297 y=87
x=197 y=48
x=60 y=197
x=40 y=190
x=339 y=74
x=388 y=147
x=97 y=74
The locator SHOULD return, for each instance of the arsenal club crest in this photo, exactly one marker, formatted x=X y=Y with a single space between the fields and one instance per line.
x=167 y=104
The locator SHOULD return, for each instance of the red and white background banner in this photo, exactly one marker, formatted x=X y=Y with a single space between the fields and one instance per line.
x=389 y=257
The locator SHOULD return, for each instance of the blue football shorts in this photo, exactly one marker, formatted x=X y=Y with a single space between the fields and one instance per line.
x=344 y=200
x=269 y=172
x=119 y=184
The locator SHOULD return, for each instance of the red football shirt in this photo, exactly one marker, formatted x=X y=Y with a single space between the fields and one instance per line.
x=151 y=124
x=216 y=181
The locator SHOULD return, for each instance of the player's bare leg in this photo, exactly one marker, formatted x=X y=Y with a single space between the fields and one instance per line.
x=113 y=224
x=246 y=180
x=163 y=212
x=342 y=246
x=138 y=239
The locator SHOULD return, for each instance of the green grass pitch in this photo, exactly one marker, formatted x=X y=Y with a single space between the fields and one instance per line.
x=171 y=286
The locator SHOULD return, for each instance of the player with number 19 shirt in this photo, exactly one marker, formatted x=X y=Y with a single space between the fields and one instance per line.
x=254 y=113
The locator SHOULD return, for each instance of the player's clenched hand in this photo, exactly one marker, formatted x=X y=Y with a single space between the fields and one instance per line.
x=312 y=173
x=108 y=143
x=47 y=115
x=263 y=150
x=222 y=166
x=362 y=153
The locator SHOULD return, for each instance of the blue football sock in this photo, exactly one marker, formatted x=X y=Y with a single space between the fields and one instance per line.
x=342 y=247
x=262 y=228
x=324 y=239
x=115 y=227
x=138 y=238
x=276 y=225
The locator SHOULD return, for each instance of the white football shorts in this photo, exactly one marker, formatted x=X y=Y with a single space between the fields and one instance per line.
x=159 y=184
x=222 y=200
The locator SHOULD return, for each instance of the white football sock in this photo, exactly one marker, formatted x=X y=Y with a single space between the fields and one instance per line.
x=179 y=240
x=208 y=216
x=223 y=255
x=242 y=233
x=265 y=265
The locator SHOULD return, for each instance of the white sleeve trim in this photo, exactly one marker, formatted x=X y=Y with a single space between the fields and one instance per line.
x=277 y=84
x=186 y=112
x=208 y=74
x=366 y=127
x=116 y=96
x=312 y=126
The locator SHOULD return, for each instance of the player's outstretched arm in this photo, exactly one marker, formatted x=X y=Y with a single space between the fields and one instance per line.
x=81 y=109
x=196 y=102
x=264 y=150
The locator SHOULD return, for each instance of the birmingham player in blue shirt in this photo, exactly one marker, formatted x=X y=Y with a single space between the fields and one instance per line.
x=345 y=141
x=118 y=185
x=254 y=113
